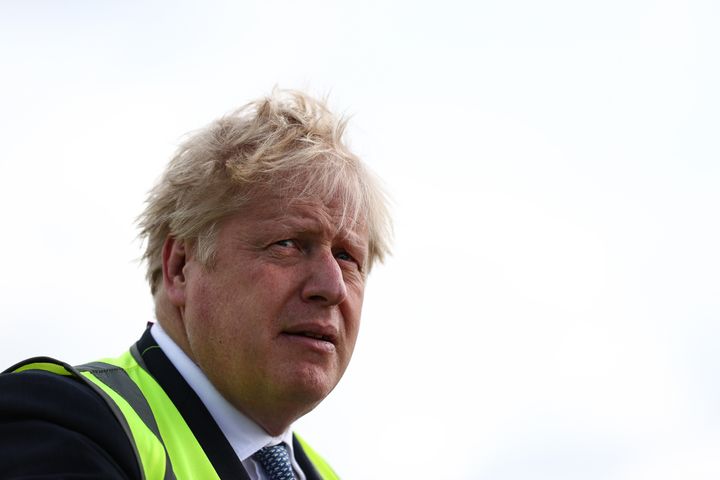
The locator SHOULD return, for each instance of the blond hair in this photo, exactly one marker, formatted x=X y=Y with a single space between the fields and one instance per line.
x=287 y=142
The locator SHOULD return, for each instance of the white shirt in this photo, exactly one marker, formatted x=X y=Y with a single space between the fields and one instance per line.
x=245 y=436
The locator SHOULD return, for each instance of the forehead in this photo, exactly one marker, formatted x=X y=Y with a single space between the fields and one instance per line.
x=309 y=214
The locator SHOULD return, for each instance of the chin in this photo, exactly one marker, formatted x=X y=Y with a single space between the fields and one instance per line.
x=309 y=386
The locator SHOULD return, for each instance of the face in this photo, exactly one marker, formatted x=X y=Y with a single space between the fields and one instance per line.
x=273 y=321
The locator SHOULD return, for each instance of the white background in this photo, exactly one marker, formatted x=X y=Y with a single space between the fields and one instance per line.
x=551 y=310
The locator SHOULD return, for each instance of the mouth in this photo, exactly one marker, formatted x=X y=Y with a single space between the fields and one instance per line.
x=317 y=336
x=313 y=335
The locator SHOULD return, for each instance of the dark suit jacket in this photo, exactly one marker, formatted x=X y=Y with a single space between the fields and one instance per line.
x=53 y=426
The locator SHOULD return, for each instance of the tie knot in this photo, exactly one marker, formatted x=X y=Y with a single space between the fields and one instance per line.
x=276 y=462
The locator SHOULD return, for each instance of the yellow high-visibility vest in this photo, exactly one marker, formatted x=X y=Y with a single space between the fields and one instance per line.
x=163 y=443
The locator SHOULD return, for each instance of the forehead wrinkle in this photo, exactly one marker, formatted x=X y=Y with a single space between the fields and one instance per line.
x=310 y=215
x=320 y=223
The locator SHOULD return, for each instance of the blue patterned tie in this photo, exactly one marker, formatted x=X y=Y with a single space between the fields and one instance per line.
x=276 y=462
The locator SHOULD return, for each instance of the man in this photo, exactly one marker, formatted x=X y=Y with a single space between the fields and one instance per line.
x=259 y=239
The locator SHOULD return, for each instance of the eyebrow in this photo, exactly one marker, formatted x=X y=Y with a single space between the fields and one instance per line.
x=298 y=223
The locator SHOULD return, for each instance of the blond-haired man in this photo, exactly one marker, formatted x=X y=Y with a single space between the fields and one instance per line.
x=259 y=239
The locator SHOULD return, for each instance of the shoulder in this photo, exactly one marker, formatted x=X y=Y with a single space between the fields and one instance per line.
x=55 y=425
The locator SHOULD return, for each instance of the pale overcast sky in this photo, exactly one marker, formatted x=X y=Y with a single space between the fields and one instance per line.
x=552 y=310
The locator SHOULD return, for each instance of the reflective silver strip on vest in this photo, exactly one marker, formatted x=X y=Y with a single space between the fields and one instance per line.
x=118 y=379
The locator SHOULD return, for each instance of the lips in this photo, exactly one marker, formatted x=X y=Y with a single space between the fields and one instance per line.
x=320 y=332
x=314 y=335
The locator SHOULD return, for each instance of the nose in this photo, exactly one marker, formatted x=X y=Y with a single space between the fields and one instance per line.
x=324 y=283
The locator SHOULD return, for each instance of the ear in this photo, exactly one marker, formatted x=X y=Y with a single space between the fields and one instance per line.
x=174 y=257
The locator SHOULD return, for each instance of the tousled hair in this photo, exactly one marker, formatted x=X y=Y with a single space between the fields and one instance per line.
x=287 y=143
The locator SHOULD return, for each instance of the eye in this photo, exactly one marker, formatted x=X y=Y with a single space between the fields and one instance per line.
x=346 y=257
x=288 y=243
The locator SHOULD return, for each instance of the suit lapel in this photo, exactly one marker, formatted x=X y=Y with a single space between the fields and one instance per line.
x=302 y=459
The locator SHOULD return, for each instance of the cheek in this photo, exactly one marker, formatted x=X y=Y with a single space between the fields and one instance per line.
x=205 y=296
x=209 y=309
x=352 y=310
